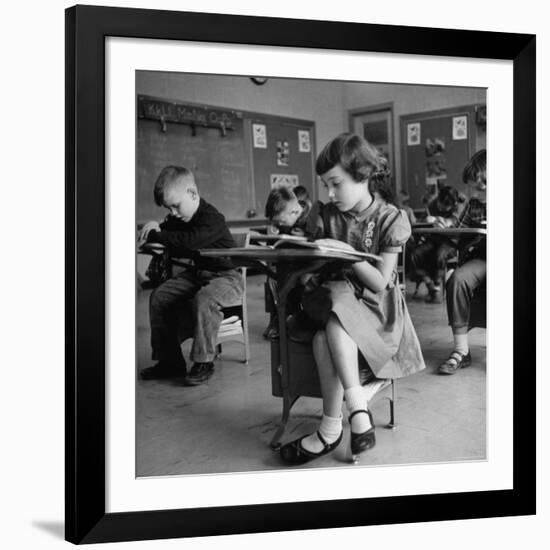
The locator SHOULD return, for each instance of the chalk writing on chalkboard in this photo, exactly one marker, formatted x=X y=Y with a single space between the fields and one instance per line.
x=179 y=113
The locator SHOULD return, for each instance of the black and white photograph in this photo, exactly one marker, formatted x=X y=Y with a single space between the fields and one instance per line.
x=268 y=297
x=310 y=273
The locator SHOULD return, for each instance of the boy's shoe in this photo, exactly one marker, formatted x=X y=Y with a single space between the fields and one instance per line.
x=434 y=297
x=200 y=372
x=163 y=370
x=454 y=362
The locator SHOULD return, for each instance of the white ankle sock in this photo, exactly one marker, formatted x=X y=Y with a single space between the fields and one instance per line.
x=330 y=430
x=356 y=400
x=461 y=343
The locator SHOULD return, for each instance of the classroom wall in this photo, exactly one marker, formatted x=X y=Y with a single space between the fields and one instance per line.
x=409 y=99
x=283 y=97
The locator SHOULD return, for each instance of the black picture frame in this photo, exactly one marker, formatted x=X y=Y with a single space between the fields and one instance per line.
x=86 y=30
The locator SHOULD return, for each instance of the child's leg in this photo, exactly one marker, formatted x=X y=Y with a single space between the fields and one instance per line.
x=222 y=291
x=163 y=304
x=344 y=352
x=333 y=394
x=460 y=289
x=442 y=255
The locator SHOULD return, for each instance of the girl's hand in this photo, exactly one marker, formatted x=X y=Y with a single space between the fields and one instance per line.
x=297 y=231
x=272 y=230
x=334 y=243
x=146 y=229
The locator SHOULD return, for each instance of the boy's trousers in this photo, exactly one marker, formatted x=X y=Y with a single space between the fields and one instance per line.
x=189 y=306
x=460 y=289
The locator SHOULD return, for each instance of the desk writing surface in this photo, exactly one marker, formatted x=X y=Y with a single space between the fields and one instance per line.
x=287 y=255
x=449 y=231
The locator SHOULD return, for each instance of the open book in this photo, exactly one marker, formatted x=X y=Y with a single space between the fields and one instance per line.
x=294 y=241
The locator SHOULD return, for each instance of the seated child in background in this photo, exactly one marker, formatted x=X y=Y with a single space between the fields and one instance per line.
x=471 y=273
x=429 y=258
x=290 y=215
x=189 y=304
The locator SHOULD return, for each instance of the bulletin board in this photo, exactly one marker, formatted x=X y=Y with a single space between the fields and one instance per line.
x=283 y=153
x=435 y=147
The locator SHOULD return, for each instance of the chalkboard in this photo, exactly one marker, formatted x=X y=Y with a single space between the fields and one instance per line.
x=217 y=156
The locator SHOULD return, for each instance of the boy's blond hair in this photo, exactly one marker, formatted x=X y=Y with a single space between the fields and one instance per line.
x=170 y=175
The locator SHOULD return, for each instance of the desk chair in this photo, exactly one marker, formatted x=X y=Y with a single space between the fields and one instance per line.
x=238 y=329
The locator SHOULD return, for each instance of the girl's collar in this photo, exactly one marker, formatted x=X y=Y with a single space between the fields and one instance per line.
x=360 y=216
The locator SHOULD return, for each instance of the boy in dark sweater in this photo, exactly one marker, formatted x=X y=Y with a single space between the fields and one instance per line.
x=189 y=304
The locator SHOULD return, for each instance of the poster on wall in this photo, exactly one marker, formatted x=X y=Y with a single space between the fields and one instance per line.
x=436 y=162
x=283 y=153
x=460 y=127
x=284 y=180
x=260 y=136
x=413 y=133
x=304 y=145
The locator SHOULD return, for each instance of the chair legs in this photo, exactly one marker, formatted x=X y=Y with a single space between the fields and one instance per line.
x=392 y=424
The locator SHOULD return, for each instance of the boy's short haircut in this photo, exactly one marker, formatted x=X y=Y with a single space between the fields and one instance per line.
x=477 y=164
x=301 y=193
x=277 y=201
x=167 y=176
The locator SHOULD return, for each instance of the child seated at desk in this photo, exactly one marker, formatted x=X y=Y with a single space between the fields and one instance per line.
x=429 y=258
x=472 y=271
x=359 y=310
x=289 y=215
x=189 y=304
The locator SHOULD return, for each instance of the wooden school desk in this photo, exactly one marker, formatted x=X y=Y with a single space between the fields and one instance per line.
x=286 y=266
x=449 y=231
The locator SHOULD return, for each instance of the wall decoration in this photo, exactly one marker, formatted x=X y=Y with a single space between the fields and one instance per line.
x=413 y=133
x=284 y=180
x=304 y=145
x=259 y=134
x=481 y=116
x=460 y=127
x=283 y=153
x=436 y=169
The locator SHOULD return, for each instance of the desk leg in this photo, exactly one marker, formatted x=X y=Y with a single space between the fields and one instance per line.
x=286 y=280
x=392 y=425
x=288 y=401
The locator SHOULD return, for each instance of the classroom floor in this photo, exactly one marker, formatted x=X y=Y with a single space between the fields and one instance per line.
x=226 y=425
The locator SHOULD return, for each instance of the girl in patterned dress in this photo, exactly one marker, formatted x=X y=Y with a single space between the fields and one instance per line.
x=361 y=308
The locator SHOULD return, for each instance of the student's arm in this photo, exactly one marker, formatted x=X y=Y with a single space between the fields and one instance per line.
x=149 y=227
x=201 y=234
x=376 y=277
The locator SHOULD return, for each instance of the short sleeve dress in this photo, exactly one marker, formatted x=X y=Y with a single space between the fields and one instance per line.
x=378 y=322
